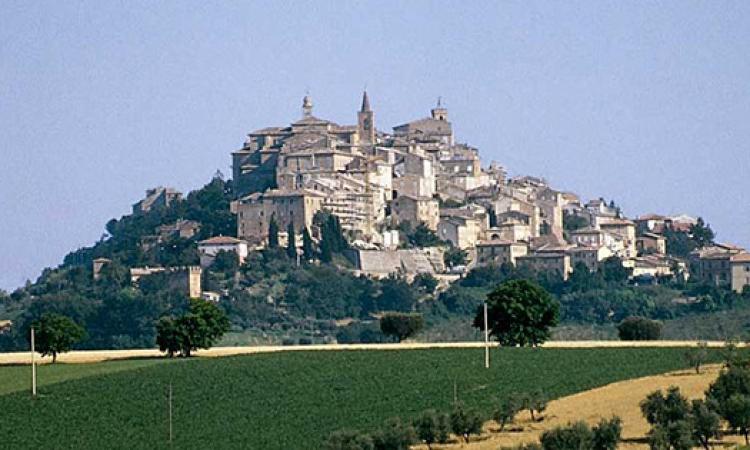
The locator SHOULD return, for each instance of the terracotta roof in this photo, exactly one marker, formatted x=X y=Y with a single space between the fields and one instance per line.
x=496 y=242
x=741 y=257
x=220 y=240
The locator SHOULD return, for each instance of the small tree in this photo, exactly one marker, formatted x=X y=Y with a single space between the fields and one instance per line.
x=464 y=423
x=432 y=427
x=670 y=419
x=639 y=329
x=536 y=402
x=395 y=435
x=520 y=312
x=426 y=282
x=348 y=440
x=737 y=413
x=454 y=256
x=507 y=410
x=607 y=434
x=576 y=436
x=696 y=356
x=55 y=333
x=273 y=233
x=400 y=325
x=307 y=245
x=705 y=422
x=201 y=327
x=291 y=243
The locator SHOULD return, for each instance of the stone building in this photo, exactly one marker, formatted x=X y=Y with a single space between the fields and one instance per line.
x=415 y=210
x=183 y=279
x=156 y=198
x=648 y=243
x=255 y=211
x=553 y=263
x=499 y=252
x=209 y=248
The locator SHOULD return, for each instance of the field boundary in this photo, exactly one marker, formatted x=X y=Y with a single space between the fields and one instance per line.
x=89 y=356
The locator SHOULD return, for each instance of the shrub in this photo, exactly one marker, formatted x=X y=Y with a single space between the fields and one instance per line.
x=507 y=410
x=401 y=326
x=432 y=427
x=607 y=434
x=639 y=329
x=395 y=435
x=464 y=423
x=577 y=436
x=348 y=440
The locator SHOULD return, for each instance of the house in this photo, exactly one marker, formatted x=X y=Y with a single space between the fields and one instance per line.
x=651 y=243
x=590 y=256
x=592 y=237
x=462 y=226
x=551 y=263
x=415 y=210
x=730 y=269
x=499 y=252
x=510 y=230
x=209 y=248
x=623 y=228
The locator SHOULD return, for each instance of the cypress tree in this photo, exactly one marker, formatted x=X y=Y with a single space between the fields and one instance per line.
x=291 y=246
x=307 y=245
x=273 y=233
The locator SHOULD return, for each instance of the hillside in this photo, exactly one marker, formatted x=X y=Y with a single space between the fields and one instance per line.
x=294 y=400
x=270 y=299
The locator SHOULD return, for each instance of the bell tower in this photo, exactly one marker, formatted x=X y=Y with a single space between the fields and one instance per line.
x=439 y=112
x=366 y=121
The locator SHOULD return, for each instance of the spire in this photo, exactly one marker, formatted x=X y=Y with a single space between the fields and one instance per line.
x=365 y=102
x=307 y=106
x=440 y=101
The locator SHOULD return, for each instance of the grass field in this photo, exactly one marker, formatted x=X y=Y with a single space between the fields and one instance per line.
x=290 y=400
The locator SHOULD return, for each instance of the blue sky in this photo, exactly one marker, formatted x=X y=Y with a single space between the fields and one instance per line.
x=647 y=103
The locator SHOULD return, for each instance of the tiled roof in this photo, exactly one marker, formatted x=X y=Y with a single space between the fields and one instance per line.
x=220 y=240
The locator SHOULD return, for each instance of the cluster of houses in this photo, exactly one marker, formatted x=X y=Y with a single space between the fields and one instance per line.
x=381 y=183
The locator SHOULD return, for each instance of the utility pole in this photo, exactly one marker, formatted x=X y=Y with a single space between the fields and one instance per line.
x=486 y=340
x=170 y=413
x=33 y=365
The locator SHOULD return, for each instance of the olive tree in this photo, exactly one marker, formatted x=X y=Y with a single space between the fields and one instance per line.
x=520 y=313
x=55 y=333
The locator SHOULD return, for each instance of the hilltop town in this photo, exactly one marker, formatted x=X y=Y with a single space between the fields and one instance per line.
x=382 y=186
x=323 y=228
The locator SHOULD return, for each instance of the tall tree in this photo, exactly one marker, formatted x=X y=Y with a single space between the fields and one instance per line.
x=273 y=233
x=55 y=333
x=307 y=245
x=701 y=233
x=291 y=245
x=520 y=312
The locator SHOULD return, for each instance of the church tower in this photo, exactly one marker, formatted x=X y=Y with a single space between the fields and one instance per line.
x=438 y=112
x=307 y=106
x=366 y=121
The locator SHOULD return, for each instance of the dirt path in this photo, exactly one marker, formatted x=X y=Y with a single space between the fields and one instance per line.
x=88 y=356
x=620 y=399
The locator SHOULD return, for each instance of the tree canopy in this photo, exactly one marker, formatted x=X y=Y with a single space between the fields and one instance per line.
x=520 y=313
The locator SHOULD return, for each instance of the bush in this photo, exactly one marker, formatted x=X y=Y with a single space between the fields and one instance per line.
x=401 y=326
x=639 y=329
x=432 y=427
x=577 y=436
x=607 y=434
x=348 y=440
x=506 y=412
x=396 y=435
x=464 y=423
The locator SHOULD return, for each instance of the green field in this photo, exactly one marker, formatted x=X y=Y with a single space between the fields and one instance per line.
x=288 y=400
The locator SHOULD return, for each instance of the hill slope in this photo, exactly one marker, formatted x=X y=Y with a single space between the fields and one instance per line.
x=294 y=400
